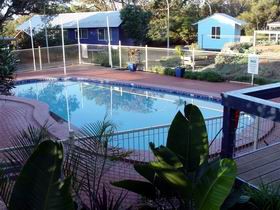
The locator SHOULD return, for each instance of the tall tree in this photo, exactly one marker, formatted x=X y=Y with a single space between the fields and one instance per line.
x=135 y=22
x=182 y=16
x=260 y=14
x=9 y=8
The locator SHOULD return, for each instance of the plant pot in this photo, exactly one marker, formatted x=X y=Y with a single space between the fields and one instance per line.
x=179 y=71
x=132 y=66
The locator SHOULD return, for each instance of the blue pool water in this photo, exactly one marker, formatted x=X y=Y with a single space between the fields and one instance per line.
x=129 y=108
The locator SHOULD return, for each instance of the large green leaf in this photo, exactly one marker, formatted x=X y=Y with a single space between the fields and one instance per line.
x=215 y=185
x=177 y=180
x=145 y=189
x=149 y=172
x=164 y=154
x=39 y=185
x=187 y=137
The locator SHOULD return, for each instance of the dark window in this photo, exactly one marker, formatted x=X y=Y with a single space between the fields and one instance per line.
x=102 y=34
x=83 y=33
x=216 y=33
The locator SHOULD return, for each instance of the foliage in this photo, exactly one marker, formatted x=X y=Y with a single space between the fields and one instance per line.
x=237 y=47
x=209 y=75
x=260 y=13
x=54 y=38
x=182 y=16
x=102 y=58
x=40 y=184
x=234 y=59
x=88 y=162
x=163 y=70
x=134 y=55
x=135 y=22
x=9 y=29
x=266 y=197
x=181 y=171
x=25 y=7
x=7 y=70
x=170 y=61
x=257 y=80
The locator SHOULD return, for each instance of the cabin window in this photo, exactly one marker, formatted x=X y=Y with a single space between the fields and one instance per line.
x=102 y=34
x=83 y=33
x=216 y=32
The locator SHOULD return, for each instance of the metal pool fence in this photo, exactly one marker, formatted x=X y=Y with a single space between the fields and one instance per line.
x=151 y=59
x=252 y=133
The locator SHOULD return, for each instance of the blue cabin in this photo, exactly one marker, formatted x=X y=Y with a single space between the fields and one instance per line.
x=92 y=25
x=218 y=29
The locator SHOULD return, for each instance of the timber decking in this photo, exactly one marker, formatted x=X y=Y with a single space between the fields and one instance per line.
x=261 y=166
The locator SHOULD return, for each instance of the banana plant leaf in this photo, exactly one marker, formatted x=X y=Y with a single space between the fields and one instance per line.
x=39 y=185
x=175 y=178
x=215 y=184
x=145 y=189
x=162 y=185
x=164 y=154
x=188 y=138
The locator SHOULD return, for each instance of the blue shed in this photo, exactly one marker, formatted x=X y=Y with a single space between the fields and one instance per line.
x=218 y=29
x=92 y=25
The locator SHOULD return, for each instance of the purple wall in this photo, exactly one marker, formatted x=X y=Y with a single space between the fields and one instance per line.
x=117 y=35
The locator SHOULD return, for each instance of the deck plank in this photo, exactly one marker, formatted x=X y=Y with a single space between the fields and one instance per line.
x=262 y=166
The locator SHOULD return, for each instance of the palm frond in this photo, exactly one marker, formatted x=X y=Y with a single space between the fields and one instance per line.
x=16 y=156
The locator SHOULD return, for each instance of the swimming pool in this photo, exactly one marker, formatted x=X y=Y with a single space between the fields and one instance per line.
x=83 y=102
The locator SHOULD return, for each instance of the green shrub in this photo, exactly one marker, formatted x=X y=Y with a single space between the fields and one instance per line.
x=222 y=59
x=157 y=69
x=209 y=76
x=257 y=80
x=102 y=58
x=170 y=62
x=169 y=71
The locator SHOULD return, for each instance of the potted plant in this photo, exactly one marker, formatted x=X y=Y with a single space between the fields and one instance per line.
x=180 y=70
x=134 y=57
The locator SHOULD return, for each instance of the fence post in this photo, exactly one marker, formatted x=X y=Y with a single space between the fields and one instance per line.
x=146 y=57
x=257 y=133
x=63 y=49
x=120 y=53
x=40 y=57
x=228 y=140
x=32 y=44
x=193 y=59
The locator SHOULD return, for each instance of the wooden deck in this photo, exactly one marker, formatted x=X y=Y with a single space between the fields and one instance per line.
x=262 y=166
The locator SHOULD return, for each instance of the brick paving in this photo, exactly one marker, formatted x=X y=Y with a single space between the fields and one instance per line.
x=16 y=116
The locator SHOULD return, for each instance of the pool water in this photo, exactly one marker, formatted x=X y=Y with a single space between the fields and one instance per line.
x=129 y=108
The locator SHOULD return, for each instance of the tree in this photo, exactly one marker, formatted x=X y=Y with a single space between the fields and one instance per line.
x=7 y=70
x=260 y=13
x=54 y=38
x=135 y=22
x=182 y=16
x=9 y=8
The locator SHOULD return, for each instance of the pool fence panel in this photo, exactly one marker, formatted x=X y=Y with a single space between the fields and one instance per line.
x=136 y=141
x=151 y=59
